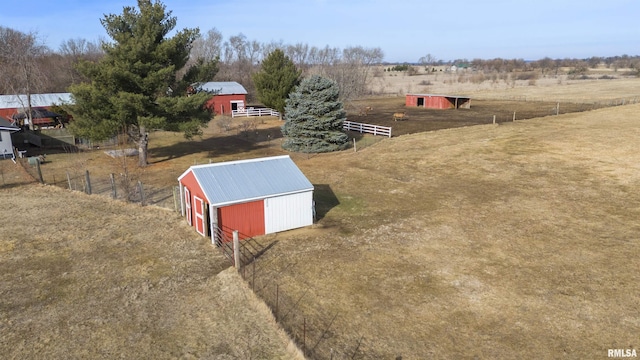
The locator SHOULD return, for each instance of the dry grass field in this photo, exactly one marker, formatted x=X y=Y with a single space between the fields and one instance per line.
x=510 y=241
x=515 y=240
x=83 y=277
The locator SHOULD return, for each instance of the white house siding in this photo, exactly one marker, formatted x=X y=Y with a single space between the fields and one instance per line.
x=288 y=212
x=6 y=148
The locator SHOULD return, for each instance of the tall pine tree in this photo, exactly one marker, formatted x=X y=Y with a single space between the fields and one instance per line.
x=134 y=87
x=314 y=117
x=277 y=77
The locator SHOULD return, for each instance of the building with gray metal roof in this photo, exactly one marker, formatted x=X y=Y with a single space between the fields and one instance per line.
x=255 y=196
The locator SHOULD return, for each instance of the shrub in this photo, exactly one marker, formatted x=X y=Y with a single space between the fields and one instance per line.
x=314 y=117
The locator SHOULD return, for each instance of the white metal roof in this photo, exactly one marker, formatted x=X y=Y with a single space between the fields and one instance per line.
x=37 y=100
x=223 y=88
x=232 y=182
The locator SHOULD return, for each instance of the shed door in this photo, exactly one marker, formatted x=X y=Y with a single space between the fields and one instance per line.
x=237 y=105
x=420 y=101
x=198 y=207
x=187 y=205
x=247 y=218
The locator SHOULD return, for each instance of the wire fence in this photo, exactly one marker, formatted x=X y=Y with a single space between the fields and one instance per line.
x=314 y=329
x=121 y=186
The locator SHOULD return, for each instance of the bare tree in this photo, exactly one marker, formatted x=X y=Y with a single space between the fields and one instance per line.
x=240 y=60
x=20 y=55
x=427 y=61
x=208 y=46
x=75 y=50
x=298 y=53
x=351 y=71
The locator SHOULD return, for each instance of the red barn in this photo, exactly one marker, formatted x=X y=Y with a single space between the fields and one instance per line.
x=13 y=107
x=438 y=101
x=229 y=96
x=256 y=197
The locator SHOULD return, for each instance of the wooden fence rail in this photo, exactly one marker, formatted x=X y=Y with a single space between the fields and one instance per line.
x=367 y=128
x=254 y=112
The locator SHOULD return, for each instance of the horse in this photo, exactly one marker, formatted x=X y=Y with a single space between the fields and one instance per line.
x=399 y=116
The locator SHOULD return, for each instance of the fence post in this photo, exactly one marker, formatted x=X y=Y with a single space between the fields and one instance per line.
x=354 y=145
x=514 y=116
x=494 y=119
x=276 y=303
x=236 y=250
x=557 y=109
x=39 y=171
x=114 y=193
x=69 y=180
x=175 y=199
x=141 y=192
x=88 y=180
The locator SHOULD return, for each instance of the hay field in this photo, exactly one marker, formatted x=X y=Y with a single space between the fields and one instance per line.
x=546 y=88
x=494 y=241
x=83 y=277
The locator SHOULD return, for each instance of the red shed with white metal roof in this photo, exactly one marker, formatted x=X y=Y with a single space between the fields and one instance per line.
x=256 y=197
x=229 y=96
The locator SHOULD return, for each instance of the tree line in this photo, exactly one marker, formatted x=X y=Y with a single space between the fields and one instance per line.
x=29 y=66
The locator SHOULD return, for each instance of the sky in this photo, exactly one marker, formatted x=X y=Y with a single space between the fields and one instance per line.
x=405 y=30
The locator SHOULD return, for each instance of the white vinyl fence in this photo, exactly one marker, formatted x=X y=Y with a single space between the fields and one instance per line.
x=367 y=128
x=254 y=112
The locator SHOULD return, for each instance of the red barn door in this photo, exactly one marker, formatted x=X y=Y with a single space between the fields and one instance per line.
x=198 y=207
x=247 y=218
x=187 y=205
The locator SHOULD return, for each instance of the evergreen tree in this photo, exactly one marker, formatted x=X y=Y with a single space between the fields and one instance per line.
x=277 y=77
x=314 y=117
x=134 y=87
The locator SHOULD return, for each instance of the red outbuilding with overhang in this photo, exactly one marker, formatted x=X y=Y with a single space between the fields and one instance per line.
x=432 y=101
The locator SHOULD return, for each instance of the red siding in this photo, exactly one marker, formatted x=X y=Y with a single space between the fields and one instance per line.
x=247 y=218
x=189 y=182
x=7 y=113
x=432 y=102
x=437 y=101
x=221 y=104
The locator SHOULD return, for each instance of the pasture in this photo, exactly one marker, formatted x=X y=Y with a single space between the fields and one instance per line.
x=90 y=278
x=508 y=241
x=515 y=240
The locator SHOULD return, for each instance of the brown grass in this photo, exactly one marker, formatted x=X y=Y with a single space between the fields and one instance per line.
x=509 y=241
x=88 y=278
